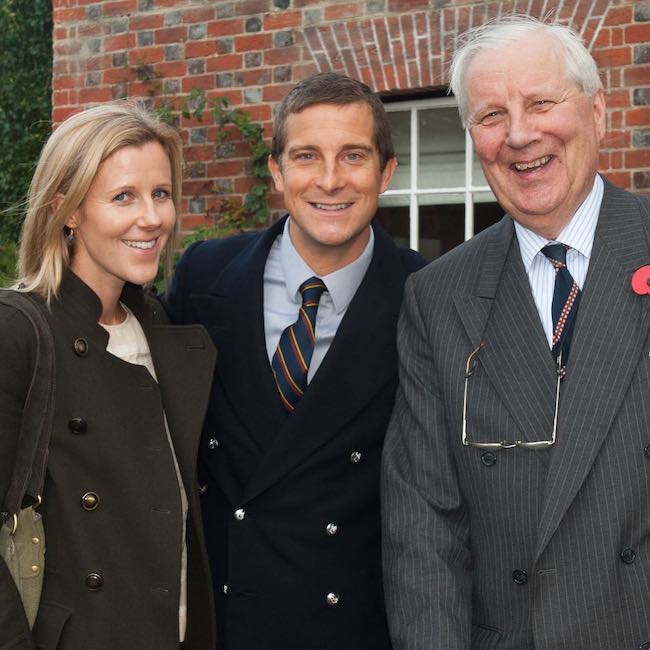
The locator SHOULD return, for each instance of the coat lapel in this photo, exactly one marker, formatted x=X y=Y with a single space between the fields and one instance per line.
x=361 y=359
x=515 y=353
x=608 y=341
x=233 y=312
x=183 y=358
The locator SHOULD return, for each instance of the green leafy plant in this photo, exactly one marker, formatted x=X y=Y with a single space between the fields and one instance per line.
x=230 y=215
x=8 y=260
x=25 y=105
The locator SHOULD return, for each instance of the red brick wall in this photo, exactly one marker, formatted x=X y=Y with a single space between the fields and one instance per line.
x=253 y=51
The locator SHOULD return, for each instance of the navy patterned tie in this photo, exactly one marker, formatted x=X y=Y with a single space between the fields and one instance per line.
x=566 y=297
x=292 y=357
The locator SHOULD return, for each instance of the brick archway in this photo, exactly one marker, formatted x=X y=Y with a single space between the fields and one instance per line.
x=413 y=50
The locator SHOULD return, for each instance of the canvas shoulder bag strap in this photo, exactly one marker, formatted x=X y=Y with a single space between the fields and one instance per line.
x=36 y=425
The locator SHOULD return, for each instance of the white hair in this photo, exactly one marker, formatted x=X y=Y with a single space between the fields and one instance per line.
x=580 y=65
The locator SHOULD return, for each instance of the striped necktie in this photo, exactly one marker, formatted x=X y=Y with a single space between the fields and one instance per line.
x=292 y=357
x=566 y=298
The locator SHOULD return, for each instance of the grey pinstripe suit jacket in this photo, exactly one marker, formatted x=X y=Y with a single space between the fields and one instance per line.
x=522 y=549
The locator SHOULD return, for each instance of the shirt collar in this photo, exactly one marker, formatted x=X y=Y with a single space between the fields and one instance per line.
x=578 y=233
x=341 y=285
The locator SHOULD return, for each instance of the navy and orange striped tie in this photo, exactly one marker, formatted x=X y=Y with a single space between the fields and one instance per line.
x=292 y=357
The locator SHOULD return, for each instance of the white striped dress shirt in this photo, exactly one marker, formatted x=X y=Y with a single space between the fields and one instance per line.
x=579 y=235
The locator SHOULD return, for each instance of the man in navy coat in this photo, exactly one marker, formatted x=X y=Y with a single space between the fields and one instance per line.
x=290 y=463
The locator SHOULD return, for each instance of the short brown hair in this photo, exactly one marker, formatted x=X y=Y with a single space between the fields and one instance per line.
x=337 y=89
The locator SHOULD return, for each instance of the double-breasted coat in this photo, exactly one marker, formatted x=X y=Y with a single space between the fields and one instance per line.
x=291 y=506
x=112 y=509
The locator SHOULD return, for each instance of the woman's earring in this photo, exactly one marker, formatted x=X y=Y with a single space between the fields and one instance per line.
x=69 y=236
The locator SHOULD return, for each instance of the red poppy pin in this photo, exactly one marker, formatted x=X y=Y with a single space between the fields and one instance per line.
x=641 y=280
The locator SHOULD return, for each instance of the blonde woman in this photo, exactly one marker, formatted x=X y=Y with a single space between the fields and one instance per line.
x=125 y=562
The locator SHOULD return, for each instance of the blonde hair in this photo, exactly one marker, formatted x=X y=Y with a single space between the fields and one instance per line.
x=66 y=168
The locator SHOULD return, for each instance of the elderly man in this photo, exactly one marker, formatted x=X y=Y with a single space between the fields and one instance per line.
x=304 y=316
x=516 y=479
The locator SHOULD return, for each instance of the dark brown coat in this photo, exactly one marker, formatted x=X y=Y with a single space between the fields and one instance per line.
x=109 y=439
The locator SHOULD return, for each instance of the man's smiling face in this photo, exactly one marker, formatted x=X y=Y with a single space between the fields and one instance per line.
x=536 y=133
x=331 y=178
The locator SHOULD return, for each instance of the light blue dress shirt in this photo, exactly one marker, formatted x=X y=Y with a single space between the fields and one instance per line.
x=284 y=272
x=579 y=235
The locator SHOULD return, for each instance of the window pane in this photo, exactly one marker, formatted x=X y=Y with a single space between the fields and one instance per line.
x=442 y=223
x=478 y=177
x=400 y=128
x=441 y=226
x=396 y=221
x=442 y=148
x=485 y=214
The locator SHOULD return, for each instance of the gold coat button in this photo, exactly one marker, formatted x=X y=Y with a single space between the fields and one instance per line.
x=34 y=568
x=89 y=501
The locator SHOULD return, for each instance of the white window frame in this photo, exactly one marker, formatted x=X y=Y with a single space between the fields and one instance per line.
x=468 y=190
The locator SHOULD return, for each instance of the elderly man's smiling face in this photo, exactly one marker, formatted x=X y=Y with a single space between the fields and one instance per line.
x=536 y=134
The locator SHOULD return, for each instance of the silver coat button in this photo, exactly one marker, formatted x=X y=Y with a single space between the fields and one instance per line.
x=94 y=581
x=332 y=529
x=240 y=514
x=213 y=443
x=355 y=456
x=225 y=589
x=332 y=598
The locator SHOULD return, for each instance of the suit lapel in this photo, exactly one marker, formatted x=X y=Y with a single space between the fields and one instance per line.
x=608 y=341
x=515 y=353
x=233 y=312
x=361 y=359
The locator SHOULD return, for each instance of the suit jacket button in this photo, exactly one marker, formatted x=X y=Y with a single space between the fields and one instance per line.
x=213 y=443
x=89 y=501
x=77 y=425
x=94 y=581
x=332 y=529
x=240 y=514
x=333 y=599
x=488 y=458
x=628 y=555
x=355 y=457
x=520 y=576
x=80 y=346
x=646 y=451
